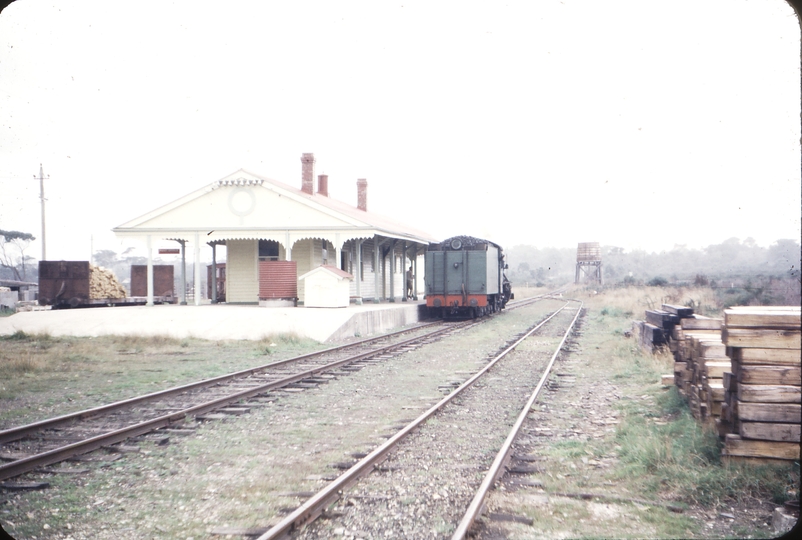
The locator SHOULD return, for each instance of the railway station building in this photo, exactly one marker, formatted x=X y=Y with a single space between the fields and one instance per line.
x=275 y=233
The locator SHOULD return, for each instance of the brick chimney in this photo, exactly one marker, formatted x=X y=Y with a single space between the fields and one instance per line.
x=323 y=185
x=308 y=173
x=362 y=194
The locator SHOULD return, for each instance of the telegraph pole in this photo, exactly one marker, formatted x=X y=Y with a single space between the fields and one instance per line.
x=42 y=197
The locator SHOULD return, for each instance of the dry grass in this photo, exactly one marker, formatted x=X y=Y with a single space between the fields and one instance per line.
x=289 y=338
x=11 y=366
x=142 y=342
x=635 y=300
x=522 y=292
x=42 y=376
x=271 y=343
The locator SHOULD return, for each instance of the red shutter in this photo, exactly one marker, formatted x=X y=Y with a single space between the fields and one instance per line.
x=278 y=279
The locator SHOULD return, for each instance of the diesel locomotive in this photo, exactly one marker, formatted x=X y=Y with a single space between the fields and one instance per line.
x=465 y=278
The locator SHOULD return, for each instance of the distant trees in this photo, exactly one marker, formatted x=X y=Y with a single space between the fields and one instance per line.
x=784 y=255
x=12 y=253
x=732 y=258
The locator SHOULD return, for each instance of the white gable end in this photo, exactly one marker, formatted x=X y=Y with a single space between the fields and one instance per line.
x=244 y=205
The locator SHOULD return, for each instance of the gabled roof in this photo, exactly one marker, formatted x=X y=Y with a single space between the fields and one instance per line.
x=340 y=274
x=213 y=214
x=376 y=220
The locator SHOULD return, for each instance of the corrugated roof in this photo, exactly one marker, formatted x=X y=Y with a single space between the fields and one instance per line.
x=370 y=218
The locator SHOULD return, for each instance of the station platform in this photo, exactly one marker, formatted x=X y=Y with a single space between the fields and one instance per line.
x=219 y=321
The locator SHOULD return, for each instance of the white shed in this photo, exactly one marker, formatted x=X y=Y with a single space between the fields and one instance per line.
x=327 y=286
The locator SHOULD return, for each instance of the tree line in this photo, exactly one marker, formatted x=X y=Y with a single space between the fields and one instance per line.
x=732 y=258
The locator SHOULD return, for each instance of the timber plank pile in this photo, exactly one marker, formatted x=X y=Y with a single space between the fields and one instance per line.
x=655 y=331
x=762 y=412
x=700 y=362
x=700 y=359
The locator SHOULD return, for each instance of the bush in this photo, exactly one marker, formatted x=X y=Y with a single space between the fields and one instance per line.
x=657 y=282
x=19 y=335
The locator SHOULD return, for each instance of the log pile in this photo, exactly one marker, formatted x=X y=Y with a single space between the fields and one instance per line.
x=104 y=284
x=762 y=412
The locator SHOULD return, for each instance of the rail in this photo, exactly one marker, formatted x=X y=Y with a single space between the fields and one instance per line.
x=497 y=468
x=18 y=432
x=315 y=506
x=30 y=463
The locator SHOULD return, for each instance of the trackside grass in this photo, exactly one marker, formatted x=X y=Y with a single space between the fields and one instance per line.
x=663 y=452
x=620 y=455
x=43 y=376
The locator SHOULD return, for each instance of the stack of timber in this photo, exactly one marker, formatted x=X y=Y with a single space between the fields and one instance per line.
x=700 y=364
x=762 y=410
x=700 y=356
x=104 y=284
x=650 y=337
x=656 y=330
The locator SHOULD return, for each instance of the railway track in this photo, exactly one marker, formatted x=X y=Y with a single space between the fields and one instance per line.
x=33 y=446
x=439 y=473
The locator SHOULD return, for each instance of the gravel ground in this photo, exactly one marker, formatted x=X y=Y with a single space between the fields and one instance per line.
x=246 y=472
x=424 y=487
x=576 y=408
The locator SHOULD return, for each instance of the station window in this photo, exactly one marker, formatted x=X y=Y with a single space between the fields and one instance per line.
x=268 y=250
x=346 y=262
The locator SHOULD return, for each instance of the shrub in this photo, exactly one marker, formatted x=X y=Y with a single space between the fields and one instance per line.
x=19 y=335
x=657 y=282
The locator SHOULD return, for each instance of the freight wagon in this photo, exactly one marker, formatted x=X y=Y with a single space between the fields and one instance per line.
x=465 y=278
x=66 y=284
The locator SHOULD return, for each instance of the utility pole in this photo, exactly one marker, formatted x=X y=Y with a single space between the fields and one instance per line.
x=42 y=197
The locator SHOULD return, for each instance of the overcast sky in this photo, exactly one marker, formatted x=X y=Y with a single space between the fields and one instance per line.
x=549 y=122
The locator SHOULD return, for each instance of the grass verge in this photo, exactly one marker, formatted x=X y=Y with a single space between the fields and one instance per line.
x=661 y=452
x=43 y=376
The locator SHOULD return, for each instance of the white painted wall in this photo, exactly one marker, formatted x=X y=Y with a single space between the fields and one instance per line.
x=242 y=271
x=324 y=289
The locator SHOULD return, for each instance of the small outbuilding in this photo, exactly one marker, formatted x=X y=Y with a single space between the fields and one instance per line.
x=327 y=286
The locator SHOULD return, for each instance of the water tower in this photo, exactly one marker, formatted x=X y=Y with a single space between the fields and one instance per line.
x=588 y=261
